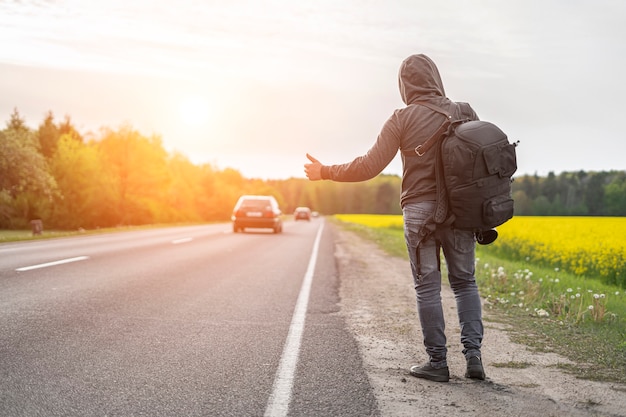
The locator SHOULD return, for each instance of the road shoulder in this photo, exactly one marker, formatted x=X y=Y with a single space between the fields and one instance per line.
x=378 y=302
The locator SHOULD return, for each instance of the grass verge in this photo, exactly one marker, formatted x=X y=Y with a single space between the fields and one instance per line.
x=24 y=235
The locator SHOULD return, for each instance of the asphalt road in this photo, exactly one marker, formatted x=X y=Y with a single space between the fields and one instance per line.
x=191 y=321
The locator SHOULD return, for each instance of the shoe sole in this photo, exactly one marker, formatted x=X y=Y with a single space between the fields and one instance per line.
x=435 y=378
x=475 y=374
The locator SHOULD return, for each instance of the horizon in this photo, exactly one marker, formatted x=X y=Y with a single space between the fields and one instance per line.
x=255 y=86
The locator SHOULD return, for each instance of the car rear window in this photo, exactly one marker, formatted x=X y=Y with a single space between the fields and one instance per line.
x=255 y=203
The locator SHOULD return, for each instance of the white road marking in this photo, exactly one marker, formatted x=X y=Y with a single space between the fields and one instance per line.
x=183 y=240
x=278 y=403
x=62 y=261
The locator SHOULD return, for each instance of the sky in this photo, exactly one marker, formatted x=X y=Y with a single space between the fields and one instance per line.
x=255 y=85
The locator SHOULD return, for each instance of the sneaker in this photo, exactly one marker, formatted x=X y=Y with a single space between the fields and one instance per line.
x=475 y=368
x=430 y=373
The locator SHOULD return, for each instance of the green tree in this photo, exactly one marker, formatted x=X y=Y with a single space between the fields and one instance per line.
x=218 y=192
x=184 y=194
x=66 y=127
x=17 y=123
x=138 y=168
x=594 y=193
x=550 y=187
x=523 y=204
x=615 y=196
x=386 y=194
x=85 y=190
x=26 y=186
x=48 y=135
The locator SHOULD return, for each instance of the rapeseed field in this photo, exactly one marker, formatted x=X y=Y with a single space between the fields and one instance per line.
x=591 y=247
x=570 y=268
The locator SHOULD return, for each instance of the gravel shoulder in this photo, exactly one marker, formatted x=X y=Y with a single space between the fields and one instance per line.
x=378 y=302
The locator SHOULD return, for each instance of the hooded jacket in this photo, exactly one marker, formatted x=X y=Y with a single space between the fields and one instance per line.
x=419 y=80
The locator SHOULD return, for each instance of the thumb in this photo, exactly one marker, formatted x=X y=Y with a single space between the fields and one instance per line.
x=312 y=159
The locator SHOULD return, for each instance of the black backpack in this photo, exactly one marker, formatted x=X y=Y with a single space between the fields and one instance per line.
x=475 y=164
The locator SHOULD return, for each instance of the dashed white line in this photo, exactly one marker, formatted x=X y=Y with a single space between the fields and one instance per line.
x=47 y=264
x=278 y=403
x=183 y=240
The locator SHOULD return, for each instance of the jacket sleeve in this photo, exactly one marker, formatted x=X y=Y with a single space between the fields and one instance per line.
x=367 y=166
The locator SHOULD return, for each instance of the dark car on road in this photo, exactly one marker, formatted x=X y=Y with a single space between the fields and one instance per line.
x=257 y=211
x=302 y=213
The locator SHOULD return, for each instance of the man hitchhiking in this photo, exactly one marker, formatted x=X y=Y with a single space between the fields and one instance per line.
x=407 y=129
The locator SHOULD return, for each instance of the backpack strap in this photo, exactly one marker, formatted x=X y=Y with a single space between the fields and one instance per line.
x=434 y=108
x=420 y=150
x=441 y=215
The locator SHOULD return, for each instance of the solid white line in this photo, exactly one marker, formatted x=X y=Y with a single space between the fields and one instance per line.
x=62 y=261
x=278 y=403
x=183 y=240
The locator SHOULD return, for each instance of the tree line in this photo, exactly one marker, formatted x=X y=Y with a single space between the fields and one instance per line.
x=571 y=194
x=121 y=177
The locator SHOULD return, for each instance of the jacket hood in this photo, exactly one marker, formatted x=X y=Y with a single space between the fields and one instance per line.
x=419 y=77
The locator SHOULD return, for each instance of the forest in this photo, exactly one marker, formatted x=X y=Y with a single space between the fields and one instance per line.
x=122 y=178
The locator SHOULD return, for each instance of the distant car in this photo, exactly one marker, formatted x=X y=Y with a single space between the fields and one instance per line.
x=302 y=213
x=258 y=212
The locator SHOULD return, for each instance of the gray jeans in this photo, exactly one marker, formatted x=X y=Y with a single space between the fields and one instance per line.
x=459 y=252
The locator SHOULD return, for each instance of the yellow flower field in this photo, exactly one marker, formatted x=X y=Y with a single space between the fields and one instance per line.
x=387 y=221
x=593 y=247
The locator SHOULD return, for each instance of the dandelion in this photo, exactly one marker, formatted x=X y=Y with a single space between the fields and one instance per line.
x=577 y=295
x=596 y=296
x=590 y=308
x=556 y=280
x=569 y=290
x=541 y=313
x=556 y=269
x=616 y=292
x=602 y=295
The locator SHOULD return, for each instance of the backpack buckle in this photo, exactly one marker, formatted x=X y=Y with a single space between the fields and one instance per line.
x=418 y=152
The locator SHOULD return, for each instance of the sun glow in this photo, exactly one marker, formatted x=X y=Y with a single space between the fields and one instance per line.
x=195 y=111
